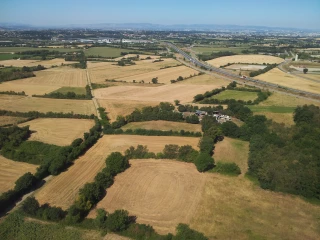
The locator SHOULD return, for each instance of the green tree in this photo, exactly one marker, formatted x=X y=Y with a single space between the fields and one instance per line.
x=155 y=80
x=116 y=163
x=206 y=145
x=215 y=133
x=30 y=206
x=171 y=151
x=305 y=70
x=204 y=162
x=118 y=221
x=25 y=182
x=101 y=218
x=176 y=102
x=185 y=233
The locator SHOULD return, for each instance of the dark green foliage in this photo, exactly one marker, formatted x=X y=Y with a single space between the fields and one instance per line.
x=230 y=129
x=182 y=108
x=116 y=163
x=118 y=221
x=101 y=218
x=206 y=145
x=92 y=192
x=104 y=180
x=261 y=71
x=213 y=55
x=30 y=206
x=231 y=169
x=147 y=132
x=192 y=119
x=13 y=136
x=141 y=152
x=204 y=162
x=47 y=212
x=13 y=93
x=215 y=133
x=35 y=114
x=187 y=153
x=198 y=97
x=121 y=121
x=184 y=232
x=171 y=151
x=25 y=182
x=207 y=122
x=68 y=95
x=142 y=232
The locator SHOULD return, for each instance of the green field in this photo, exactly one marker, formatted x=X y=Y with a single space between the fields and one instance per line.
x=237 y=95
x=7 y=56
x=76 y=90
x=272 y=109
x=208 y=50
x=106 y=51
x=22 y=49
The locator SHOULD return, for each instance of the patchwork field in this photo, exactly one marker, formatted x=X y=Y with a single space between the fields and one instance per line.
x=26 y=104
x=260 y=59
x=10 y=171
x=311 y=76
x=162 y=193
x=30 y=63
x=62 y=190
x=288 y=80
x=22 y=49
x=100 y=71
x=204 y=79
x=168 y=93
x=164 y=126
x=62 y=134
x=47 y=81
x=237 y=95
x=232 y=150
x=108 y=52
x=116 y=108
x=164 y=75
x=235 y=208
x=4 y=120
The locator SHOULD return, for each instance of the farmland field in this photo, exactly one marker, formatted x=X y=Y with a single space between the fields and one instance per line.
x=164 y=126
x=30 y=63
x=288 y=80
x=62 y=134
x=232 y=150
x=260 y=59
x=237 y=95
x=235 y=208
x=162 y=193
x=62 y=190
x=108 y=52
x=312 y=76
x=10 y=171
x=168 y=93
x=76 y=90
x=7 y=56
x=22 y=49
x=116 y=108
x=4 y=120
x=100 y=71
x=164 y=75
x=26 y=104
x=209 y=49
x=205 y=79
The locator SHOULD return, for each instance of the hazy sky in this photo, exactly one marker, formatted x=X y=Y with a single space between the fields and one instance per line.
x=275 y=13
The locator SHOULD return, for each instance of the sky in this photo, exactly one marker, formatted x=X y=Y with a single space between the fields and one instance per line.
x=273 y=13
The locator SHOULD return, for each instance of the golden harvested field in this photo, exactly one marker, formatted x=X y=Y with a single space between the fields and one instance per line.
x=10 y=171
x=232 y=150
x=260 y=59
x=312 y=76
x=165 y=93
x=30 y=63
x=4 y=120
x=26 y=104
x=100 y=71
x=205 y=79
x=62 y=190
x=164 y=75
x=286 y=118
x=162 y=193
x=62 y=134
x=164 y=126
x=288 y=80
x=116 y=108
x=235 y=208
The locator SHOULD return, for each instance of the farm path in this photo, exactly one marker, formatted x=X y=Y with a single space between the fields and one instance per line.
x=95 y=102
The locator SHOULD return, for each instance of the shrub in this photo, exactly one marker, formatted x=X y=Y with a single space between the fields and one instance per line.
x=187 y=153
x=186 y=233
x=206 y=145
x=30 y=206
x=204 y=162
x=227 y=169
x=118 y=221
x=192 y=119
x=116 y=163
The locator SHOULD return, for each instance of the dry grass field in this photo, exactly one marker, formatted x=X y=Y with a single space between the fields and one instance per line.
x=235 y=208
x=47 y=81
x=205 y=79
x=164 y=126
x=260 y=59
x=116 y=108
x=164 y=75
x=100 y=71
x=232 y=150
x=58 y=131
x=30 y=63
x=26 y=104
x=168 y=93
x=4 y=120
x=10 y=171
x=286 y=118
x=276 y=76
x=162 y=193
x=312 y=76
x=62 y=190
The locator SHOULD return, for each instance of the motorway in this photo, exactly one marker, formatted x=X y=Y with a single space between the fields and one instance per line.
x=236 y=77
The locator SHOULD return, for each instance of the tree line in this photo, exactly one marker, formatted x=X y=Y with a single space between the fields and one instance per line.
x=213 y=55
x=261 y=71
x=68 y=95
x=13 y=93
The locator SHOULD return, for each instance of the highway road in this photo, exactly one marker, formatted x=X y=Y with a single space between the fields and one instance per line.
x=233 y=76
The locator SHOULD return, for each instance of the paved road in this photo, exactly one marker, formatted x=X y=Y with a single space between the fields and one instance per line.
x=95 y=102
x=231 y=76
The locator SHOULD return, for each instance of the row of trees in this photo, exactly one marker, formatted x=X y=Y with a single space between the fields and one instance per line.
x=180 y=78
x=213 y=55
x=13 y=93
x=261 y=71
x=151 y=132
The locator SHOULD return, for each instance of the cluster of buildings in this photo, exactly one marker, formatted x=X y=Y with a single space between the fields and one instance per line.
x=216 y=114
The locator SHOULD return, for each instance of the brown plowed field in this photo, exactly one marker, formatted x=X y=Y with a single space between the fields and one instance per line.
x=10 y=171
x=116 y=108
x=26 y=104
x=58 y=131
x=62 y=190
x=162 y=193
x=165 y=93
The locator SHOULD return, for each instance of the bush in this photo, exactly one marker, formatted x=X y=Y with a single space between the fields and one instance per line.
x=104 y=180
x=230 y=129
x=192 y=119
x=231 y=169
x=206 y=145
x=187 y=153
x=25 y=182
x=30 y=206
x=204 y=162
x=186 y=233
x=116 y=163
x=118 y=221
x=171 y=151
